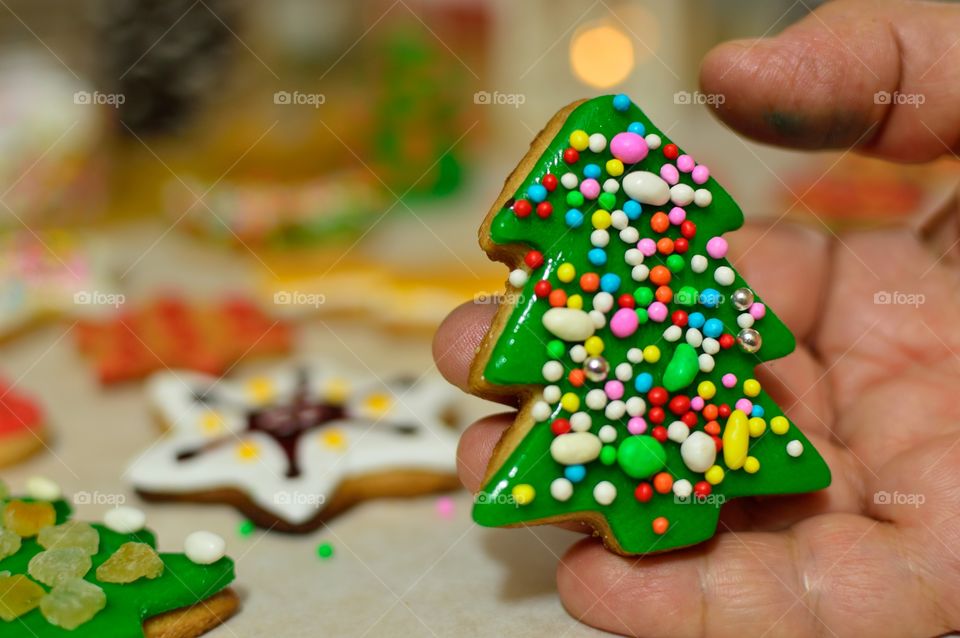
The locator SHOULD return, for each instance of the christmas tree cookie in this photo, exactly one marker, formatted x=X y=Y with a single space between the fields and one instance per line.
x=61 y=577
x=631 y=341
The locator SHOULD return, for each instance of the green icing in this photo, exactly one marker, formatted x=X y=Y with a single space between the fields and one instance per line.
x=182 y=583
x=520 y=352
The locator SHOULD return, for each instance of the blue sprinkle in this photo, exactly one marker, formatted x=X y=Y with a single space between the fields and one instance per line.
x=592 y=171
x=643 y=382
x=710 y=297
x=713 y=328
x=633 y=209
x=610 y=283
x=597 y=256
x=757 y=410
x=638 y=128
x=695 y=320
x=537 y=192
x=621 y=102
x=575 y=473
x=574 y=218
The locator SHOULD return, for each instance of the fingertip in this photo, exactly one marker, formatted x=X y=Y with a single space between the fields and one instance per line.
x=458 y=338
x=476 y=447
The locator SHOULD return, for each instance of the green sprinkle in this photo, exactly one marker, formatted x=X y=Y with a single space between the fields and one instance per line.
x=246 y=528
x=324 y=550
x=556 y=349
x=675 y=263
x=575 y=199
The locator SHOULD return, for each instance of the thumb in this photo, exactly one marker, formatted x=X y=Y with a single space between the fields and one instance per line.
x=876 y=75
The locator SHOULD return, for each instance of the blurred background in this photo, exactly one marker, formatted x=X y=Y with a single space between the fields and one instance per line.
x=326 y=164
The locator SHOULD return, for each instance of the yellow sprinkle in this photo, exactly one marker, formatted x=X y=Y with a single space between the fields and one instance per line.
x=261 y=390
x=736 y=438
x=575 y=301
x=336 y=390
x=523 y=494
x=248 y=450
x=570 y=402
x=707 y=390
x=779 y=425
x=334 y=439
x=211 y=422
x=651 y=354
x=593 y=346
x=751 y=387
x=378 y=403
x=714 y=475
x=757 y=426
x=579 y=140
x=566 y=272
x=752 y=465
x=601 y=220
x=615 y=167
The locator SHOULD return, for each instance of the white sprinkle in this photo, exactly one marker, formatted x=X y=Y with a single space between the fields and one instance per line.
x=204 y=548
x=630 y=235
x=710 y=345
x=580 y=421
x=603 y=301
x=608 y=433
x=624 y=372
x=706 y=362
x=596 y=399
x=552 y=371
x=552 y=393
x=599 y=319
x=541 y=411
x=702 y=197
x=619 y=219
x=640 y=273
x=125 y=520
x=724 y=275
x=745 y=320
x=43 y=489
x=597 y=142
x=605 y=492
x=569 y=181
x=634 y=355
x=678 y=431
x=615 y=410
x=653 y=141
x=611 y=185
x=518 y=278
x=578 y=353
x=636 y=406
x=600 y=238
x=698 y=263
x=694 y=337
x=673 y=333
x=681 y=194
x=682 y=488
x=633 y=257
x=795 y=448
x=561 y=489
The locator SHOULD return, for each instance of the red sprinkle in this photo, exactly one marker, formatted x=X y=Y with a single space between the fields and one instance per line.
x=681 y=245
x=688 y=229
x=542 y=288
x=679 y=318
x=571 y=156
x=671 y=152
x=560 y=426
x=522 y=208
x=534 y=258
x=726 y=341
x=544 y=210
x=643 y=493
x=702 y=489
x=657 y=395
x=679 y=404
x=549 y=182
x=626 y=301
x=659 y=433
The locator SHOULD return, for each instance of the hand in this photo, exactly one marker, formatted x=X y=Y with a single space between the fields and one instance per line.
x=874 y=385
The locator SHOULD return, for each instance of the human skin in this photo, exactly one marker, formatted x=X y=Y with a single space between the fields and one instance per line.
x=874 y=386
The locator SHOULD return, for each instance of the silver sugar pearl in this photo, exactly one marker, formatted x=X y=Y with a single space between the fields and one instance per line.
x=596 y=368
x=749 y=339
x=742 y=298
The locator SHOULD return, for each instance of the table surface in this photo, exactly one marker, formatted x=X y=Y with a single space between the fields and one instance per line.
x=399 y=568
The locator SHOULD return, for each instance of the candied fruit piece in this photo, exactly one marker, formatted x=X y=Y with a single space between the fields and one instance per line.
x=60 y=564
x=27 y=519
x=9 y=543
x=72 y=603
x=18 y=595
x=131 y=562
x=70 y=534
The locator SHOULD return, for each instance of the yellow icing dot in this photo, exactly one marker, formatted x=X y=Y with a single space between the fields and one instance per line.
x=779 y=425
x=248 y=450
x=523 y=494
x=566 y=272
x=752 y=465
x=751 y=387
x=714 y=475
x=707 y=390
x=334 y=439
x=211 y=422
x=336 y=390
x=378 y=403
x=757 y=426
x=570 y=402
x=601 y=220
x=651 y=354
x=736 y=438
x=579 y=140
x=575 y=301
x=260 y=390
x=593 y=346
x=615 y=167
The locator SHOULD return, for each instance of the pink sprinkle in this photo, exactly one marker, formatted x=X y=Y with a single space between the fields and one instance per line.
x=744 y=405
x=685 y=163
x=628 y=147
x=647 y=246
x=728 y=380
x=701 y=174
x=669 y=174
x=614 y=390
x=696 y=403
x=637 y=425
x=657 y=312
x=758 y=310
x=717 y=247
x=445 y=507
x=677 y=215
x=590 y=188
x=624 y=323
